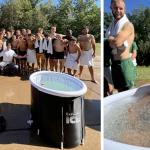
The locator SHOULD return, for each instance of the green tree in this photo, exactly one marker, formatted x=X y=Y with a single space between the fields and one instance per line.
x=73 y=14
x=141 y=20
x=21 y=14
x=86 y=13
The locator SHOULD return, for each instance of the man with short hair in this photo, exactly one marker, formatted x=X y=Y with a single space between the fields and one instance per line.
x=22 y=51
x=68 y=35
x=31 y=53
x=8 y=56
x=52 y=37
x=120 y=35
x=39 y=51
x=87 y=44
x=73 y=56
x=48 y=51
x=59 y=46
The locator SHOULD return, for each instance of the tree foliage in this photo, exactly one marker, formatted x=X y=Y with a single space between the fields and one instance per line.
x=73 y=14
x=141 y=20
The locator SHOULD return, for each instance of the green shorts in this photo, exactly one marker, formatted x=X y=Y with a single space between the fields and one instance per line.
x=123 y=74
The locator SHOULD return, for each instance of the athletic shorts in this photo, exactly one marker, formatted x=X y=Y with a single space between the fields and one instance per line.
x=22 y=53
x=123 y=74
x=58 y=55
x=48 y=55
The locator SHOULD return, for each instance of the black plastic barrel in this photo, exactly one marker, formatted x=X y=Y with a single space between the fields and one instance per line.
x=58 y=115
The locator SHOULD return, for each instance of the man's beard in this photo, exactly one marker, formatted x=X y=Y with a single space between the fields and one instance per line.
x=84 y=33
x=115 y=16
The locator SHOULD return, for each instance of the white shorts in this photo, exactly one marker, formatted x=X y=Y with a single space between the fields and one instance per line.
x=31 y=56
x=71 y=61
x=86 y=58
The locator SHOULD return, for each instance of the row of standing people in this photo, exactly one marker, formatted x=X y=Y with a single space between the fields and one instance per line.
x=52 y=50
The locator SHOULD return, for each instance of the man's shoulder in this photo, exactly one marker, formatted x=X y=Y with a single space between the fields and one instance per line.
x=80 y=36
x=128 y=28
x=128 y=25
x=91 y=36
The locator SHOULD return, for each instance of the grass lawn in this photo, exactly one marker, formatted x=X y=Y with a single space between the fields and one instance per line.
x=143 y=75
x=97 y=49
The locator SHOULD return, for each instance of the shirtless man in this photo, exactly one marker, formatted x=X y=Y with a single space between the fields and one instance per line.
x=22 y=51
x=40 y=32
x=73 y=55
x=87 y=44
x=39 y=51
x=58 y=52
x=52 y=35
x=2 y=43
x=18 y=34
x=31 y=53
x=29 y=31
x=120 y=36
x=24 y=33
x=14 y=44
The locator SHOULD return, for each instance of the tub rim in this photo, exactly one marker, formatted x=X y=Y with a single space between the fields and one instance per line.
x=110 y=144
x=78 y=93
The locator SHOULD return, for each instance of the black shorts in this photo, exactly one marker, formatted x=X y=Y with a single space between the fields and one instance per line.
x=22 y=53
x=58 y=55
x=48 y=55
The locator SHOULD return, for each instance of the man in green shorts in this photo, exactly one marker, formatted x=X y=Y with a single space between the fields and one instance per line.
x=121 y=35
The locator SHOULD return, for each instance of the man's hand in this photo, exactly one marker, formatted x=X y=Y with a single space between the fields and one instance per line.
x=111 y=41
x=93 y=54
x=77 y=61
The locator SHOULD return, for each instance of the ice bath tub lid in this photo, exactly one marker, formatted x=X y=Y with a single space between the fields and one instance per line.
x=58 y=84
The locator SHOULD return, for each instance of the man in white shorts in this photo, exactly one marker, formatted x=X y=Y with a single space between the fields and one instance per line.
x=73 y=55
x=87 y=44
x=31 y=53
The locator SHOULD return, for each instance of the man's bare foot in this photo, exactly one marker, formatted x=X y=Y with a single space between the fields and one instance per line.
x=94 y=81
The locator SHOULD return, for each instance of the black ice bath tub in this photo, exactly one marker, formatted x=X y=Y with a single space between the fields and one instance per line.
x=57 y=108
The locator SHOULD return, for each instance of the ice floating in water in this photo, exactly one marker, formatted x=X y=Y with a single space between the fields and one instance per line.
x=57 y=86
x=129 y=121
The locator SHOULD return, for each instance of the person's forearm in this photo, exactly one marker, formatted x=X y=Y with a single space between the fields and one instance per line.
x=94 y=48
x=114 y=44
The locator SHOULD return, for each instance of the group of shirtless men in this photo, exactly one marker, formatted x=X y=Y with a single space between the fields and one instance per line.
x=56 y=51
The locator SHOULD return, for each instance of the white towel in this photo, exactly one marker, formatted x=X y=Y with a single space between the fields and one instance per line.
x=31 y=56
x=71 y=61
x=48 y=47
x=115 y=28
x=39 y=45
x=86 y=58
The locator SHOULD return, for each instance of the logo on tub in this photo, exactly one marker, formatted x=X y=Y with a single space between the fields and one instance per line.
x=72 y=118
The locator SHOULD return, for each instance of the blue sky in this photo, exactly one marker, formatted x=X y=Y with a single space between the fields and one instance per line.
x=130 y=5
x=97 y=2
